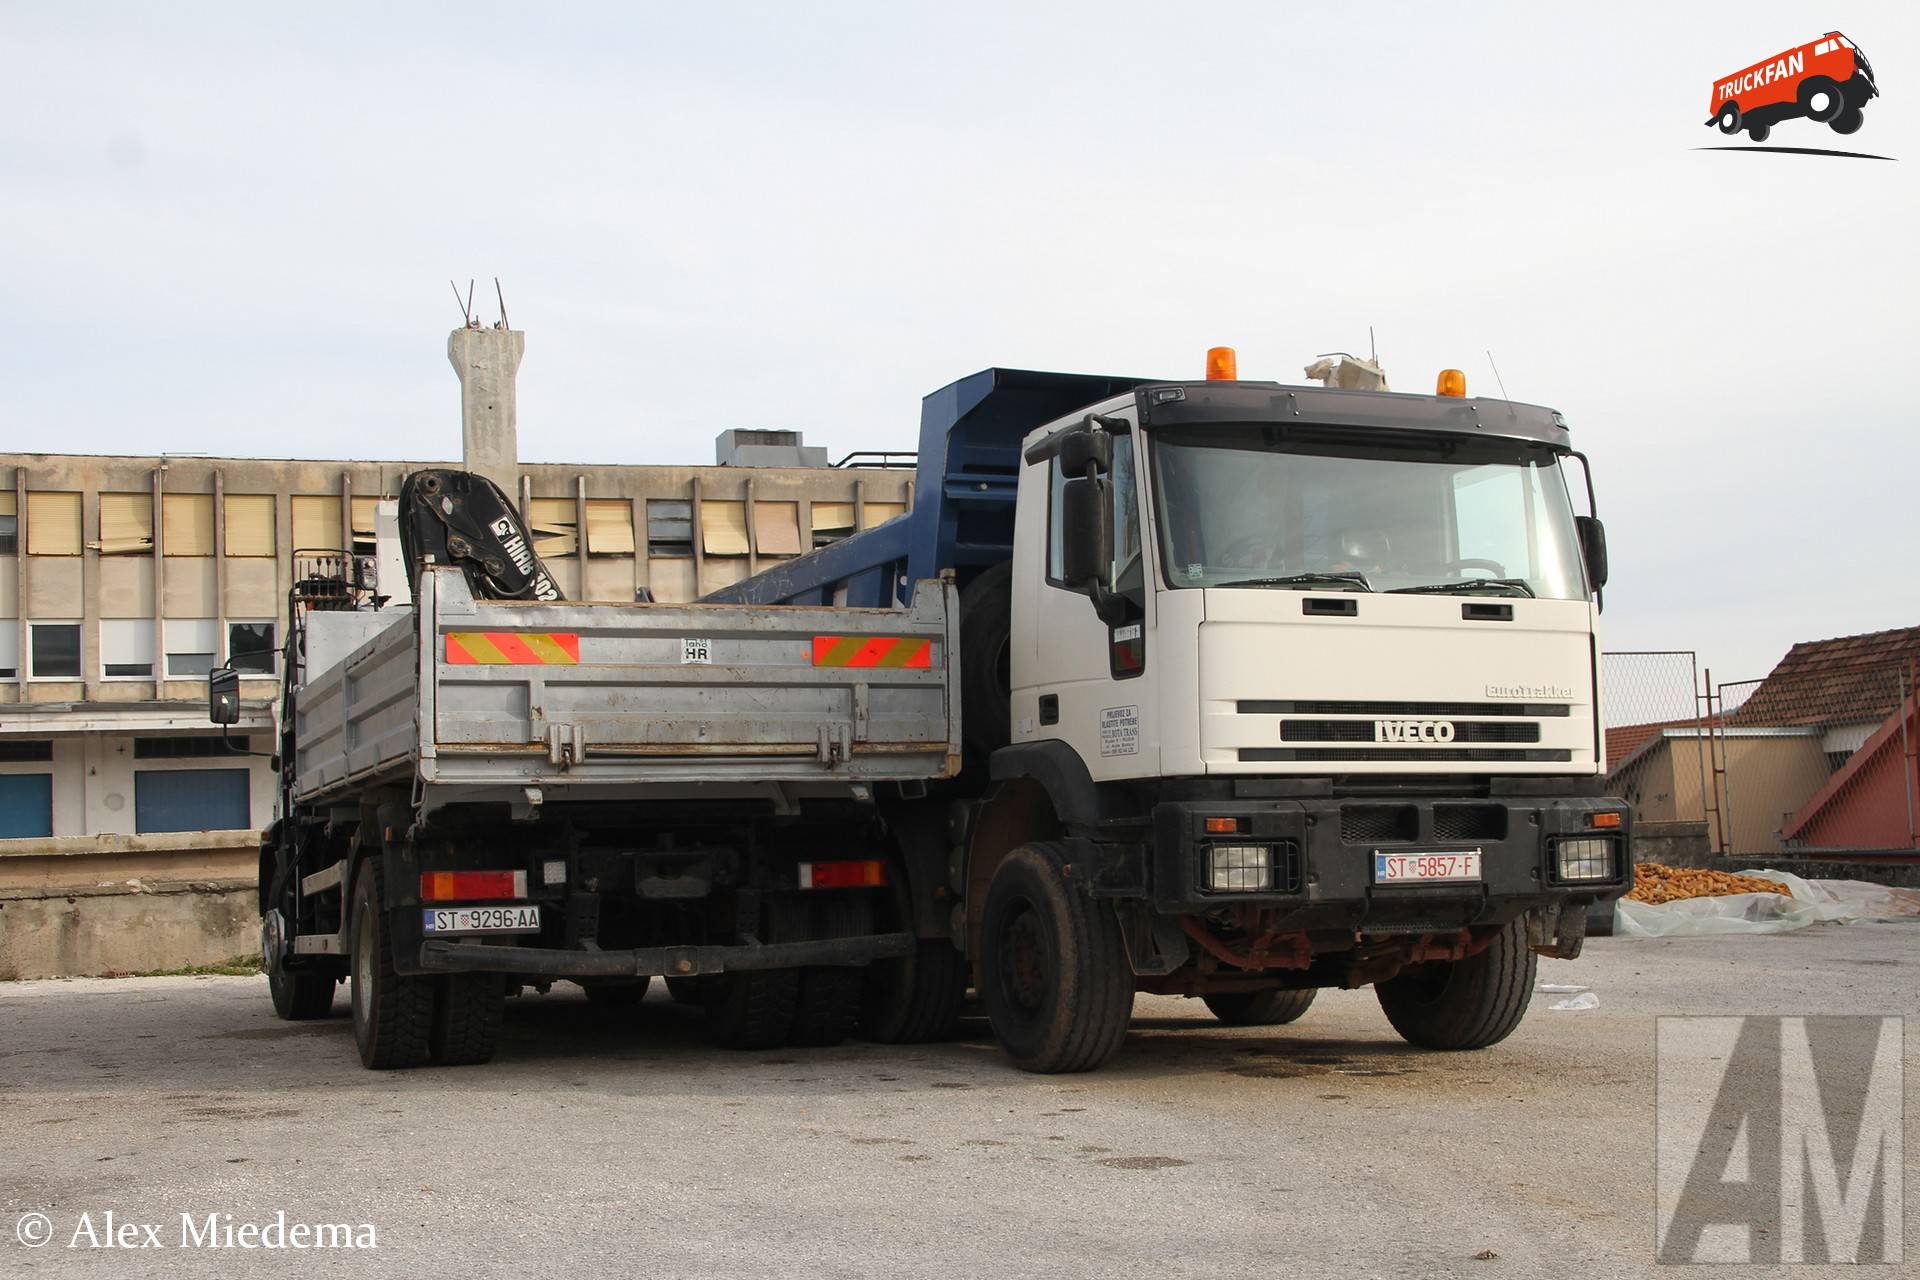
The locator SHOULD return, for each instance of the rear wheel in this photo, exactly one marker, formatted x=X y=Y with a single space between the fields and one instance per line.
x=916 y=998
x=1259 y=1008
x=986 y=680
x=1729 y=119
x=752 y=1009
x=1464 y=1004
x=392 y=1012
x=1848 y=121
x=1759 y=132
x=467 y=1017
x=827 y=1006
x=687 y=990
x=1053 y=967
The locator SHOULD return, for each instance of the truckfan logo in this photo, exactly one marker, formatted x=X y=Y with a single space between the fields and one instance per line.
x=1827 y=81
x=1413 y=731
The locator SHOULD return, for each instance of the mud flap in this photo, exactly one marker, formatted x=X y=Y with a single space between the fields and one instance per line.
x=1558 y=931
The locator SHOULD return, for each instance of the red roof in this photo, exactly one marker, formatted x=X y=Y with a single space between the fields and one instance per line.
x=1865 y=803
x=1624 y=741
x=1838 y=681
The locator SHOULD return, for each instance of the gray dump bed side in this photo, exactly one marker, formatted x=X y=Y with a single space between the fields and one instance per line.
x=617 y=701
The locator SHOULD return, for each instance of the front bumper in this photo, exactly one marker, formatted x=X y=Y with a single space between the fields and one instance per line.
x=1324 y=847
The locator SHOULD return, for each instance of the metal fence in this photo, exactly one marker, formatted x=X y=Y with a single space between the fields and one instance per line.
x=1651 y=707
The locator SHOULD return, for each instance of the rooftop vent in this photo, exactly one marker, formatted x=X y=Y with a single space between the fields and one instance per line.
x=766 y=449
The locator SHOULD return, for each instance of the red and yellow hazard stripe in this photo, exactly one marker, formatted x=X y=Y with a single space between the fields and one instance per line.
x=872 y=651
x=517 y=648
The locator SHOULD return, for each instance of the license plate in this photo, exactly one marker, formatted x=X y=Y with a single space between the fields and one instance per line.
x=1426 y=868
x=482 y=920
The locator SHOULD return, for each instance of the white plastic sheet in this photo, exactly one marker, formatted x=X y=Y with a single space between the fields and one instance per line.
x=1811 y=902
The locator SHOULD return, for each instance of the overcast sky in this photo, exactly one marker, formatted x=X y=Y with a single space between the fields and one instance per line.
x=224 y=229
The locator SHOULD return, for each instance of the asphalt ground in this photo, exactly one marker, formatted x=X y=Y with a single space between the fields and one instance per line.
x=605 y=1143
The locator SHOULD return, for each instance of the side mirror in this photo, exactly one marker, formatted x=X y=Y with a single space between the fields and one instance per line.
x=1593 y=549
x=1084 y=447
x=223 y=695
x=1086 y=532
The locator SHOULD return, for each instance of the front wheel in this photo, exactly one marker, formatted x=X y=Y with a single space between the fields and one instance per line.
x=1848 y=121
x=1821 y=99
x=1259 y=1008
x=1053 y=967
x=1463 y=1004
x=1759 y=132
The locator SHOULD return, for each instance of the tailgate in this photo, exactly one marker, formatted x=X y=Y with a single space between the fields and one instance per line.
x=578 y=693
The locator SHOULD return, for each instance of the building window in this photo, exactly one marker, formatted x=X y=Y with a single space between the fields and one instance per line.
x=186 y=524
x=9 y=525
x=609 y=527
x=250 y=529
x=56 y=651
x=126 y=524
x=723 y=528
x=366 y=513
x=53 y=524
x=126 y=648
x=250 y=647
x=193 y=748
x=552 y=520
x=9 y=649
x=26 y=805
x=776 y=528
x=190 y=646
x=25 y=750
x=316 y=523
x=832 y=521
x=191 y=800
x=873 y=513
x=669 y=527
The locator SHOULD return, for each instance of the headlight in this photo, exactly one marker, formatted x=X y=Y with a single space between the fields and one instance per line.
x=1583 y=859
x=1239 y=868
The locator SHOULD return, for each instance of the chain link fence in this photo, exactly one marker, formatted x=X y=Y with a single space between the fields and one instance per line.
x=1657 y=753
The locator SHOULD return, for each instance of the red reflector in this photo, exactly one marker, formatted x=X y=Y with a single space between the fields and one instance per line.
x=463 y=886
x=843 y=875
x=1222 y=826
x=1604 y=820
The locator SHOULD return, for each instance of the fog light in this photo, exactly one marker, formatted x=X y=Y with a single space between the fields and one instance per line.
x=1239 y=868
x=1583 y=860
x=553 y=871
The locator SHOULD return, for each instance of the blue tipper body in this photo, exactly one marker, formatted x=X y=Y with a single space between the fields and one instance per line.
x=962 y=516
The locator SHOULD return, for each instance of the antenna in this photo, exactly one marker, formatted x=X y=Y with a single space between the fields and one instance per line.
x=1497 y=378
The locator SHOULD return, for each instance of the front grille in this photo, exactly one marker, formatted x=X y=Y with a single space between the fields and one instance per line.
x=1364 y=731
x=1253 y=755
x=1469 y=822
x=1405 y=710
x=1379 y=823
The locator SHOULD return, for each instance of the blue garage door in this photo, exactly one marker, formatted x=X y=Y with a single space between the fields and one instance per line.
x=191 y=800
x=26 y=805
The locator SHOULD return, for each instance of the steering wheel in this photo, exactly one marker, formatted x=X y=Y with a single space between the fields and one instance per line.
x=1238 y=554
x=1493 y=567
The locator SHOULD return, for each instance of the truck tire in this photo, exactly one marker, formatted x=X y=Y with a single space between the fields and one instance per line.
x=827 y=1007
x=1259 y=1008
x=1848 y=121
x=1729 y=119
x=1053 y=967
x=1831 y=100
x=1758 y=130
x=616 y=993
x=1464 y=1004
x=392 y=1013
x=916 y=998
x=752 y=1009
x=467 y=1017
x=986 y=687
x=300 y=997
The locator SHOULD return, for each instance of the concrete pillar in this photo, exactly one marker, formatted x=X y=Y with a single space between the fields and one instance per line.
x=487 y=362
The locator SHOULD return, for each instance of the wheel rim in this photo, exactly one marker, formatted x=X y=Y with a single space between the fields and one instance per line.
x=362 y=969
x=1026 y=959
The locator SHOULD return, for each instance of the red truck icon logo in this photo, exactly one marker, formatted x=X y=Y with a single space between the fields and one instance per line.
x=1826 y=80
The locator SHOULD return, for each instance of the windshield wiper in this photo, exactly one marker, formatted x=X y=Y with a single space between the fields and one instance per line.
x=1354 y=579
x=1501 y=586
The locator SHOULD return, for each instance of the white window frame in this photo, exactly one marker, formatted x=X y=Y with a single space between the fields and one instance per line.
x=126 y=642
x=185 y=636
x=78 y=626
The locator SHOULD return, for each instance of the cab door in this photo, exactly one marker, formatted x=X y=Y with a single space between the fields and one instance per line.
x=1076 y=677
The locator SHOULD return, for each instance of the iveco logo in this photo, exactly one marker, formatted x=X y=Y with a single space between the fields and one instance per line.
x=1413 y=731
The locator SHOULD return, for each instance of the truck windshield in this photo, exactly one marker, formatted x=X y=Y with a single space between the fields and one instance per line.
x=1274 y=509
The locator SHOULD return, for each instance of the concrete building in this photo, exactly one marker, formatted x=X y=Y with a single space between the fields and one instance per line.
x=124 y=580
